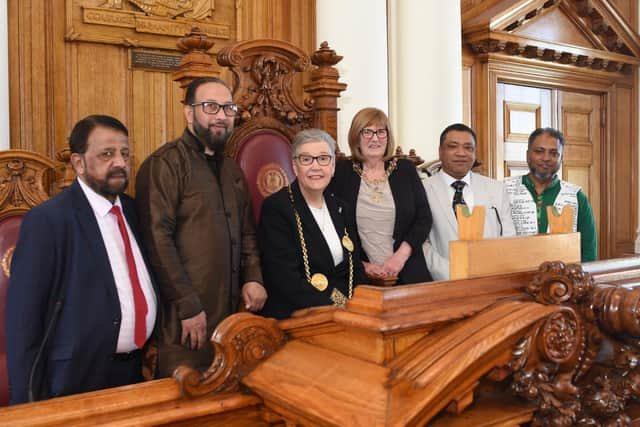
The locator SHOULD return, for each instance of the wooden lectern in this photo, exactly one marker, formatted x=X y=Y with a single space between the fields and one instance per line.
x=472 y=256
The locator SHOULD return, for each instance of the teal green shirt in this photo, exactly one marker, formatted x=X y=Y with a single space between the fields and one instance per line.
x=586 y=222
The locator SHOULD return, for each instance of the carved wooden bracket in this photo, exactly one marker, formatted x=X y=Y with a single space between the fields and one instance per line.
x=240 y=343
x=580 y=365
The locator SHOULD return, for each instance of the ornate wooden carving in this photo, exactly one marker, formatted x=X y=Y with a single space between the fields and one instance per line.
x=263 y=73
x=68 y=174
x=240 y=342
x=579 y=365
x=26 y=180
x=195 y=62
x=614 y=49
x=144 y=23
x=560 y=340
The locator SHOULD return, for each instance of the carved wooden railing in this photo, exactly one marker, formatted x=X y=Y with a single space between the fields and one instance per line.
x=556 y=346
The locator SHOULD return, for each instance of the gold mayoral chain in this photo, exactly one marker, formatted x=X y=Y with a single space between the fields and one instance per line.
x=375 y=184
x=319 y=280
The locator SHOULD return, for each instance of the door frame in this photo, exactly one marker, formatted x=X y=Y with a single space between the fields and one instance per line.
x=490 y=69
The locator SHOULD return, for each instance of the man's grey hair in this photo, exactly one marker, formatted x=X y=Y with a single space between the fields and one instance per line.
x=312 y=135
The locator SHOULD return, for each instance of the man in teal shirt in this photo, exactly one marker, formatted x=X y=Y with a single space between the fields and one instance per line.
x=531 y=194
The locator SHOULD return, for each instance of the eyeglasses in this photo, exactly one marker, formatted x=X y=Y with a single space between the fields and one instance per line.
x=306 y=160
x=368 y=133
x=211 y=107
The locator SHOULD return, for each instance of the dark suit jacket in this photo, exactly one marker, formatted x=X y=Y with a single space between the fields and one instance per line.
x=60 y=246
x=282 y=262
x=413 y=216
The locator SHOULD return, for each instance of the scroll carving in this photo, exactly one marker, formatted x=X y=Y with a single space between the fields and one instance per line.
x=26 y=180
x=558 y=283
x=263 y=72
x=264 y=83
x=240 y=343
x=581 y=365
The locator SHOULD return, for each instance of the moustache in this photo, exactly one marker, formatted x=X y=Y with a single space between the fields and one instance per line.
x=117 y=172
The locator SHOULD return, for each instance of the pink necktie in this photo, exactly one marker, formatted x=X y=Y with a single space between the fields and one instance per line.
x=139 y=302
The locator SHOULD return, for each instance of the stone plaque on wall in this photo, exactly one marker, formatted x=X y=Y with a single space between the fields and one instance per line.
x=148 y=23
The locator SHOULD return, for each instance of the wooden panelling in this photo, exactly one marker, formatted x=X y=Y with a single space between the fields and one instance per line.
x=58 y=75
x=624 y=176
x=37 y=87
x=629 y=10
x=552 y=26
x=290 y=20
x=467 y=69
x=578 y=175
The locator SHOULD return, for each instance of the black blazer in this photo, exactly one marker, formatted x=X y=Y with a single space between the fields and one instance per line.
x=413 y=216
x=282 y=263
x=60 y=247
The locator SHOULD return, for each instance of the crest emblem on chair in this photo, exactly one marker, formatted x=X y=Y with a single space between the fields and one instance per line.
x=271 y=178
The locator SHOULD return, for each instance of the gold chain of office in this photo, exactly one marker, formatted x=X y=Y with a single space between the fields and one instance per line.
x=319 y=280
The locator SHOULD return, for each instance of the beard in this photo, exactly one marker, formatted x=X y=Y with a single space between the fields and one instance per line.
x=542 y=175
x=103 y=187
x=215 y=142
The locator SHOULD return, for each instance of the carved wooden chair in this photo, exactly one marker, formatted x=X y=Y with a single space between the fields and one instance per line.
x=265 y=74
x=26 y=180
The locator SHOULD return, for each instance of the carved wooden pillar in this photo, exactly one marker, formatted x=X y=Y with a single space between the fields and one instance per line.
x=196 y=62
x=325 y=89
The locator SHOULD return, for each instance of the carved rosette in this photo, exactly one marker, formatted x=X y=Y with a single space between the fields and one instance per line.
x=240 y=343
x=544 y=372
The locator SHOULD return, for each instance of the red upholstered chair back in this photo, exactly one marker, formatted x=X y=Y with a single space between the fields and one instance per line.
x=26 y=180
x=9 y=230
x=270 y=114
x=265 y=159
x=276 y=97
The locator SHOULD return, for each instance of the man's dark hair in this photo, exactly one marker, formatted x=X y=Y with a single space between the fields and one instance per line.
x=460 y=127
x=82 y=130
x=553 y=133
x=190 y=94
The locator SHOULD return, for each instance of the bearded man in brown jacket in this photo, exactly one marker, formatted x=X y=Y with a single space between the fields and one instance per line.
x=198 y=227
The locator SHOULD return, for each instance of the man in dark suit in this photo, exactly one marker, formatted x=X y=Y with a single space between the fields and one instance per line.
x=80 y=303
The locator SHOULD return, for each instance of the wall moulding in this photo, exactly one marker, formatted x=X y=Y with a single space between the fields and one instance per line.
x=585 y=34
x=149 y=23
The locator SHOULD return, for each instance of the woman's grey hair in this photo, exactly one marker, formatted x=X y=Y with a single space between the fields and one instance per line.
x=312 y=135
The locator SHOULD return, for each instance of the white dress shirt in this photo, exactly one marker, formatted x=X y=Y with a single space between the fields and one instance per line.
x=467 y=192
x=325 y=223
x=114 y=245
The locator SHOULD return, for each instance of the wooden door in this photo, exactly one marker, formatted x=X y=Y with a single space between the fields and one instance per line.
x=522 y=109
x=579 y=119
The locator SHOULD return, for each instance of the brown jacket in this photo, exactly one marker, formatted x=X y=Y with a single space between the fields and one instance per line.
x=201 y=242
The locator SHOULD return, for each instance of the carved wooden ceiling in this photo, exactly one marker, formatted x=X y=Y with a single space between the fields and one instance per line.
x=581 y=33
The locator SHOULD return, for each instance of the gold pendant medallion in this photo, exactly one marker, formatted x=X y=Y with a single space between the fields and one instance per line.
x=319 y=281
x=347 y=243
